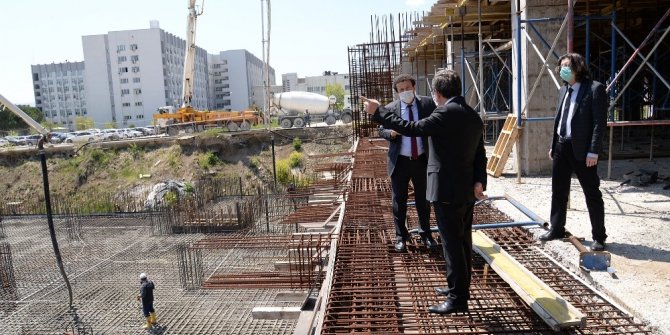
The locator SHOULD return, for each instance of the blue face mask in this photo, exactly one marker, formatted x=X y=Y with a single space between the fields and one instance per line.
x=566 y=73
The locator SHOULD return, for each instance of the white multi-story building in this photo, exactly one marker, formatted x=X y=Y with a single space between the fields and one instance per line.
x=233 y=76
x=59 y=91
x=130 y=73
x=317 y=84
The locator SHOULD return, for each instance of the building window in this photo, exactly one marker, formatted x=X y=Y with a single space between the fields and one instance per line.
x=127 y=117
x=36 y=76
x=121 y=59
x=224 y=78
x=136 y=69
x=138 y=91
x=139 y=116
x=138 y=103
x=126 y=104
x=125 y=91
x=123 y=69
x=216 y=66
x=134 y=58
x=133 y=47
x=120 y=48
x=124 y=80
x=136 y=80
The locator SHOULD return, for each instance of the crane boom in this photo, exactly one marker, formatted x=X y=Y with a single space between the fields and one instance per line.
x=4 y=102
x=189 y=58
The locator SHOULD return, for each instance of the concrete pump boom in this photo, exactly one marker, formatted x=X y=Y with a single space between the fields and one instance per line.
x=189 y=58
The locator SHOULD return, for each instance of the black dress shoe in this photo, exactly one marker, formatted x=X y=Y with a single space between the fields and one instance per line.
x=448 y=307
x=552 y=235
x=429 y=242
x=442 y=291
x=400 y=246
x=598 y=246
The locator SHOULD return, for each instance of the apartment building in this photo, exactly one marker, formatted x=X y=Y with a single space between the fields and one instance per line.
x=60 y=92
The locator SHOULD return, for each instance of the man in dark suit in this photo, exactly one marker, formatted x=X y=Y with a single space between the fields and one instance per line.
x=407 y=160
x=456 y=177
x=579 y=128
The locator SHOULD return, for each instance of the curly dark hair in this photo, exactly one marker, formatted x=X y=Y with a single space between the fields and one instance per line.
x=401 y=78
x=577 y=64
x=448 y=83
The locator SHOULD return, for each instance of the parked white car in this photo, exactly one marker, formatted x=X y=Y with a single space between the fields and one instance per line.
x=3 y=142
x=81 y=136
x=132 y=133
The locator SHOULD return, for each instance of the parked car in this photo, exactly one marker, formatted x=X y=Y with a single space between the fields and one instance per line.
x=111 y=135
x=33 y=139
x=82 y=136
x=58 y=137
x=15 y=140
x=146 y=130
x=132 y=133
x=3 y=142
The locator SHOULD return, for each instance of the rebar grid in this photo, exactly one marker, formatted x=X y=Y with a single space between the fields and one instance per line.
x=377 y=290
x=300 y=254
x=103 y=267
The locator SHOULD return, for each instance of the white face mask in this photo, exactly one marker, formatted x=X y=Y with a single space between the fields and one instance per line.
x=406 y=96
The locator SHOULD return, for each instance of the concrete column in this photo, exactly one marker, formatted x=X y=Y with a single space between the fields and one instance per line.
x=536 y=136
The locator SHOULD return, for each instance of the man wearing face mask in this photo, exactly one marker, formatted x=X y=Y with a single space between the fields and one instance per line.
x=407 y=159
x=456 y=177
x=579 y=129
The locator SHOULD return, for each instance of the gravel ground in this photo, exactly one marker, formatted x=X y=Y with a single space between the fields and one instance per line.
x=635 y=217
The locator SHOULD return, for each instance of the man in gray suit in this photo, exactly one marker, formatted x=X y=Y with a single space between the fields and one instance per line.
x=579 y=129
x=407 y=160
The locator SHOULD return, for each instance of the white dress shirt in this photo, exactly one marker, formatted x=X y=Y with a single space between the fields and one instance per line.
x=406 y=146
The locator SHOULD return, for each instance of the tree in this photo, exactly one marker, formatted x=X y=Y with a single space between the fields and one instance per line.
x=338 y=91
x=9 y=121
x=110 y=125
x=49 y=124
x=81 y=123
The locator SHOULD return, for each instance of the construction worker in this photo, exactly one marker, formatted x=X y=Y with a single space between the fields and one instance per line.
x=147 y=297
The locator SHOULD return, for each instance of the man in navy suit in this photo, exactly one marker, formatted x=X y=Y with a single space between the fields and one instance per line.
x=407 y=160
x=579 y=129
x=456 y=177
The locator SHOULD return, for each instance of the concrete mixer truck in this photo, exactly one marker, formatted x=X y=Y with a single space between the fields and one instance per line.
x=291 y=107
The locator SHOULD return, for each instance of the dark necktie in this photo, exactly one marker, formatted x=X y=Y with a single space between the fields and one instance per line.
x=566 y=111
x=415 y=150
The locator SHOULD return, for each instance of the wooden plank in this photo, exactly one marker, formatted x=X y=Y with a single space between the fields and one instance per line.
x=549 y=305
x=503 y=147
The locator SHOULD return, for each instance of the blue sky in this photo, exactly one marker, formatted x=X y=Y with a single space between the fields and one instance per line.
x=307 y=37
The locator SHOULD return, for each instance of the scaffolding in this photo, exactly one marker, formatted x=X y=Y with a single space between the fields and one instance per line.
x=624 y=44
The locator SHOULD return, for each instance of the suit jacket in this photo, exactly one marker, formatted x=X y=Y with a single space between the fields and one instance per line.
x=589 y=119
x=426 y=105
x=457 y=159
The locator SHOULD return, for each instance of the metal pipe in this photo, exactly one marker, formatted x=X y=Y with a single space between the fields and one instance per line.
x=518 y=92
x=482 y=107
x=644 y=43
x=630 y=80
x=644 y=58
x=612 y=60
x=571 y=25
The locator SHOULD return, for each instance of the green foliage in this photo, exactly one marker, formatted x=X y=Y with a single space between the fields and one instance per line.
x=9 y=121
x=212 y=132
x=188 y=188
x=99 y=157
x=254 y=162
x=338 y=91
x=283 y=171
x=49 y=125
x=295 y=159
x=174 y=157
x=132 y=125
x=82 y=123
x=110 y=125
x=135 y=150
x=297 y=144
x=208 y=159
x=171 y=198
